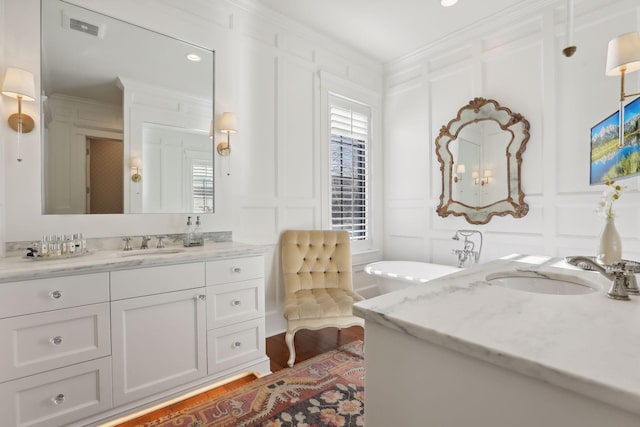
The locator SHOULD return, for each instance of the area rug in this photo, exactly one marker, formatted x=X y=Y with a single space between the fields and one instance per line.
x=327 y=390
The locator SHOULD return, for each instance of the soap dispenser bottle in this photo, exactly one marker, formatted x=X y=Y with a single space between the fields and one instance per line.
x=188 y=238
x=197 y=234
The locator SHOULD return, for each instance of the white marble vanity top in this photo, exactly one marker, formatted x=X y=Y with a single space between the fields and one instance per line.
x=586 y=343
x=21 y=268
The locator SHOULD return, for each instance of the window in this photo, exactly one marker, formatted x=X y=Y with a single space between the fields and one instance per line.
x=202 y=185
x=349 y=168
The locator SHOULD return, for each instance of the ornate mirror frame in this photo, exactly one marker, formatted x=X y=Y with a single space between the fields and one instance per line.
x=479 y=110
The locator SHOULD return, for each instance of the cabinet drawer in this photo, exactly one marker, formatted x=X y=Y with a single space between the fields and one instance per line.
x=57 y=398
x=156 y=280
x=44 y=341
x=34 y=296
x=234 y=302
x=234 y=270
x=234 y=345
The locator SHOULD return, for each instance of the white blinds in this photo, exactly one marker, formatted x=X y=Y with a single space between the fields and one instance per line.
x=202 y=185
x=349 y=171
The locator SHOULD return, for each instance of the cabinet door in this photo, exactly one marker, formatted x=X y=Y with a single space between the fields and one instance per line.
x=159 y=342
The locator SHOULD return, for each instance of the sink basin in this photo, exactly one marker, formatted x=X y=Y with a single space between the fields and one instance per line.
x=161 y=251
x=556 y=284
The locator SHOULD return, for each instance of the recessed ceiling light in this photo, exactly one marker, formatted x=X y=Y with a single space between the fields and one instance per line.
x=193 y=57
x=447 y=3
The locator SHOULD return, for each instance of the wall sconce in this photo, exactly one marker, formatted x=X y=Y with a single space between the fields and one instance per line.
x=20 y=84
x=136 y=165
x=460 y=169
x=623 y=57
x=486 y=175
x=228 y=124
x=476 y=177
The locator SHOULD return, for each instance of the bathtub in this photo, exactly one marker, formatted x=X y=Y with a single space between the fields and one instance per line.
x=395 y=275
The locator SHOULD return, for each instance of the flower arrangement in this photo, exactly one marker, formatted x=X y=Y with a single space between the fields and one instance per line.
x=611 y=193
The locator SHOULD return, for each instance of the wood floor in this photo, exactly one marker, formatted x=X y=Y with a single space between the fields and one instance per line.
x=308 y=344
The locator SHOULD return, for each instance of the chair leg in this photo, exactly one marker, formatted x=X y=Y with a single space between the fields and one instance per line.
x=288 y=338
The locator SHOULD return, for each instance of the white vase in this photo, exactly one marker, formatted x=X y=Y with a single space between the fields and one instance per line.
x=610 y=250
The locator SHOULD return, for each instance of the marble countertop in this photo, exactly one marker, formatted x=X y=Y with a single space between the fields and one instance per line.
x=586 y=343
x=21 y=268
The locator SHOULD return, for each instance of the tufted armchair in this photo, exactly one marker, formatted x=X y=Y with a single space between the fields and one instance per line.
x=319 y=293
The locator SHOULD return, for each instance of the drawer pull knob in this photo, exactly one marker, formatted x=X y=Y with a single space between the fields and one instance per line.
x=56 y=340
x=236 y=302
x=58 y=400
x=55 y=294
x=236 y=344
x=202 y=297
x=236 y=269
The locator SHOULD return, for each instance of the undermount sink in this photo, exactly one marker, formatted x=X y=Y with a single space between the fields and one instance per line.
x=157 y=251
x=556 y=284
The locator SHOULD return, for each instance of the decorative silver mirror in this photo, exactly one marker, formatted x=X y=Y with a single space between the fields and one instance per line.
x=126 y=117
x=480 y=155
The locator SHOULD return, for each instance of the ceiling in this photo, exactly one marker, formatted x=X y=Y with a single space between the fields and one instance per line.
x=77 y=64
x=388 y=29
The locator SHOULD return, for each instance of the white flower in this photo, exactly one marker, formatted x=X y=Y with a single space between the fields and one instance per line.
x=610 y=194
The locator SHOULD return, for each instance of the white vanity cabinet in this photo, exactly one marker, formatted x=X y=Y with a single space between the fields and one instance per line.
x=119 y=334
x=158 y=316
x=54 y=363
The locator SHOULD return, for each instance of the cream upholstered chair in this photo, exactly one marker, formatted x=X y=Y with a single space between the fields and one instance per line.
x=319 y=291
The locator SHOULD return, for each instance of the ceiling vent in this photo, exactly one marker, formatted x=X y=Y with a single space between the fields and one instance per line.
x=83 y=26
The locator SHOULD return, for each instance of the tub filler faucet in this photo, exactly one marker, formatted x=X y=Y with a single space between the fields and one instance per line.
x=468 y=252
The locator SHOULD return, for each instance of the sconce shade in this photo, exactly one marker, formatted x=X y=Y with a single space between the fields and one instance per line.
x=461 y=169
x=19 y=83
x=135 y=162
x=623 y=54
x=228 y=123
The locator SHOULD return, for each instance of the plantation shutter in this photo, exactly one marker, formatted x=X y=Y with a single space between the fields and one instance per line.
x=202 y=184
x=349 y=171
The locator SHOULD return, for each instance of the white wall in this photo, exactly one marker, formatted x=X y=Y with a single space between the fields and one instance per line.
x=267 y=71
x=517 y=61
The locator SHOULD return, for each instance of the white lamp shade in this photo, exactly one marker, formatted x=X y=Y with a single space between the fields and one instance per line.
x=228 y=123
x=461 y=169
x=623 y=54
x=135 y=162
x=19 y=82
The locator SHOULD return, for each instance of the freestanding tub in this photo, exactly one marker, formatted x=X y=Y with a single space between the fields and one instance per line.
x=395 y=275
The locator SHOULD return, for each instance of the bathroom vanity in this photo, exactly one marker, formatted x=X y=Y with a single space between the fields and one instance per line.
x=522 y=340
x=90 y=338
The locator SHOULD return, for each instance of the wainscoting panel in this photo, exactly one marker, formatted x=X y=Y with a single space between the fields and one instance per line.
x=300 y=218
x=297 y=133
x=407 y=147
x=257 y=123
x=406 y=222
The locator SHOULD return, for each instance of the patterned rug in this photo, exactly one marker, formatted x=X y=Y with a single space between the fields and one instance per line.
x=327 y=390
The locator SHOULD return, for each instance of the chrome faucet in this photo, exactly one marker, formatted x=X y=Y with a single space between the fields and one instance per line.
x=621 y=274
x=145 y=242
x=468 y=251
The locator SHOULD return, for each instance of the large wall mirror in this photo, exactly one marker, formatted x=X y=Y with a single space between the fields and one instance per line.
x=127 y=116
x=480 y=155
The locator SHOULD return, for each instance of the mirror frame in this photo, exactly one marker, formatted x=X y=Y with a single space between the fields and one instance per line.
x=481 y=109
